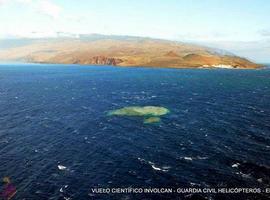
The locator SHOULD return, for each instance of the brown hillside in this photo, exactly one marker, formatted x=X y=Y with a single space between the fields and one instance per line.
x=122 y=52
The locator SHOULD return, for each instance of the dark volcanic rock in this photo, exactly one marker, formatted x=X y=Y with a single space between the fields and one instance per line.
x=102 y=60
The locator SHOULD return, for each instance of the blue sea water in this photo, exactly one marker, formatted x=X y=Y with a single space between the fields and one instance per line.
x=216 y=135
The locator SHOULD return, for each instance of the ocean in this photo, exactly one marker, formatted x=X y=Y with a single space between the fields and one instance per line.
x=58 y=142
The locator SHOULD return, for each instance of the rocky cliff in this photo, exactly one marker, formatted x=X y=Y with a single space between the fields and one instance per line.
x=102 y=60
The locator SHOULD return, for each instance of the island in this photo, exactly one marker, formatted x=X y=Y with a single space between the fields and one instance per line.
x=95 y=49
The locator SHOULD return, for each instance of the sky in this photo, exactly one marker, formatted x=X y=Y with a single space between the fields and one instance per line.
x=227 y=24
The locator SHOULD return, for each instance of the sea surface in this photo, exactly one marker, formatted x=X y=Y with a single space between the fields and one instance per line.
x=57 y=141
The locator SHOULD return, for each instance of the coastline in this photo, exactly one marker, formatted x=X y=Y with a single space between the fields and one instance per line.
x=261 y=66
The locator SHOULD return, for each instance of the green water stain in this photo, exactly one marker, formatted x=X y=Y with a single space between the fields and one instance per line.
x=140 y=111
x=151 y=120
x=151 y=114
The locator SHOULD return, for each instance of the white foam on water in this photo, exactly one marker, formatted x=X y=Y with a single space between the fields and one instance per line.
x=194 y=158
x=163 y=169
x=236 y=165
x=154 y=166
x=188 y=158
x=260 y=180
x=202 y=158
x=61 y=167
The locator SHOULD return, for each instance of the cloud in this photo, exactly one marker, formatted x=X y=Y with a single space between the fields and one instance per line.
x=45 y=7
x=24 y=1
x=255 y=50
x=48 y=8
x=208 y=36
x=3 y=2
x=264 y=33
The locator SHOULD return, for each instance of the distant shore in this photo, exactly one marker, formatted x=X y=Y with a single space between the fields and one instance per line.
x=263 y=66
x=125 y=52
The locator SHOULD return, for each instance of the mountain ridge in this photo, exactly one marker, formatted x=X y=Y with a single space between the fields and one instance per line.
x=114 y=50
